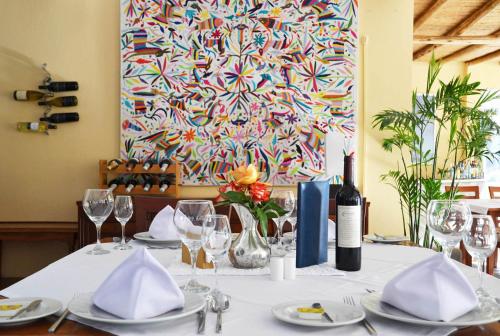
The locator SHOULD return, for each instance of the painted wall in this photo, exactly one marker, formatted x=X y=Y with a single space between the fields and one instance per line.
x=42 y=176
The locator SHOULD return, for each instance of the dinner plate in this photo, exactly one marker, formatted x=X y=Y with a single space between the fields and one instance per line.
x=386 y=239
x=83 y=307
x=47 y=307
x=372 y=302
x=342 y=314
x=146 y=237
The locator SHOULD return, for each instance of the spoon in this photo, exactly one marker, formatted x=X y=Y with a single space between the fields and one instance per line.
x=220 y=304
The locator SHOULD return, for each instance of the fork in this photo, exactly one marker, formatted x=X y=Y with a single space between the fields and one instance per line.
x=371 y=330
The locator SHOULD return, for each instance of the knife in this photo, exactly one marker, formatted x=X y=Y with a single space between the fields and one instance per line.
x=325 y=314
x=202 y=316
x=32 y=306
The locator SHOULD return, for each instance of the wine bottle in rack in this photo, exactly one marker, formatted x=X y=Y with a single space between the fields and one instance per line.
x=60 y=101
x=130 y=165
x=164 y=184
x=115 y=183
x=131 y=183
x=35 y=127
x=164 y=164
x=59 y=118
x=148 y=164
x=148 y=183
x=349 y=222
x=113 y=164
x=59 y=86
x=31 y=95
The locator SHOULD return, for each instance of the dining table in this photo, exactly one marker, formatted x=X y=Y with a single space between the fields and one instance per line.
x=252 y=293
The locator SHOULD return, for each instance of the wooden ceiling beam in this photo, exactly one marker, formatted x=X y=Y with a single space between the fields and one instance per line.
x=458 y=40
x=484 y=58
x=427 y=13
x=467 y=50
x=462 y=26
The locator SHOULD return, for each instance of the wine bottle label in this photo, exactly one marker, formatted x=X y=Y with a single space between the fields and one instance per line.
x=349 y=226
x=34 y=126
x=21 y=95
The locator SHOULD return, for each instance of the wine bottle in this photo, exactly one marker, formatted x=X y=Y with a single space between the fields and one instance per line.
x=60 y=101
x=131 y=183
x=349 y=222
x=164 y=164
x=148 y=183
x=164 y=184
x=25 y=95
x=35 y=127
x=113 y=164
x=115 y=183
x=148 y=164
x=60 y=86
x=58 y=118
x=130 y=165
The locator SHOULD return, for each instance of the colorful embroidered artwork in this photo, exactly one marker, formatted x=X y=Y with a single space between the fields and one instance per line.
x=216 y=84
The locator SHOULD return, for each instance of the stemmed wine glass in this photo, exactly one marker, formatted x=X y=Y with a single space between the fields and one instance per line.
x=189 y=216
x=286 y=200
x=98 y=204
x=123 y=212
x=446 y=220
x=216 y=240
x=480 y=240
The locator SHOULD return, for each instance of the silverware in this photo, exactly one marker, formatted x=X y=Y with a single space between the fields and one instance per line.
x=371 y=330
x=162 y=247
x=56 y=324
x=32 y=306
x=220 y=304
x=379 y=236
x=325 y=314
x=370 y=290
x=202 y=317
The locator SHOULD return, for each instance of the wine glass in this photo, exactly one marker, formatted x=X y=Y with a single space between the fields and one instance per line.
x=286 y=200
x=216 y=240
x=480 y=240
x=189 y=216
x=446 y=220
x=98 y=204
x=123 y=211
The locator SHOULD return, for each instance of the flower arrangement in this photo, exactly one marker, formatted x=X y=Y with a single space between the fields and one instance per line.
x=244 y=188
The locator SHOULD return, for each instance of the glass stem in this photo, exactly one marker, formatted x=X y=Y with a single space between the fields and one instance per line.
x=123 y=235
x=98 y=243
x=480 y=269
x=194 y=256
x=447 y=250
x=215 y=274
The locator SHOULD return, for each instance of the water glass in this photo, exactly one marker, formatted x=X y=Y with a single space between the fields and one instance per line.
x=286 y=200
x=189 y=216
x=123 y=212
x=480 y=240
x=216 y=240
x=98 y=204
x=446 y=220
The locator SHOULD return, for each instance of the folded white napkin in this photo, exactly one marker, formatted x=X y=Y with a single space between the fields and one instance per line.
x=331 y=230
x=163 y=226
x=434 y=289
x=139 y=288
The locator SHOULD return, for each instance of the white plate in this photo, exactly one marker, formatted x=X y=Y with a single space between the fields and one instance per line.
x=342 y=314
x=83 y=307
x=47 y=307
x=144 y=236
x=386 y=239
x=372 y=303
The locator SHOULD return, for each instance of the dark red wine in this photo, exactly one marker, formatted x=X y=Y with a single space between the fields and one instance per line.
x=130 y=165
x=115 y=183
x=148 y=183
x=148 y=164
x=58 y=118
x=349 y=222
x=164 y=164
x=60 y=86
x=164 y=184
x=131 y=183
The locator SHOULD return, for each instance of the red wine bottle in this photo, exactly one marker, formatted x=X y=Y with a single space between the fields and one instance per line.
x=60 y=101
x=115 y=183
x=60 y=86
x=148 y=183
x=164 y=164
x=164 y=184
x=349 y=222
x=131 y=164
x=131 y=183
x=148 y=164
x=58 y=118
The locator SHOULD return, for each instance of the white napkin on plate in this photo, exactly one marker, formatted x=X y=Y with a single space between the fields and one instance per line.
x=139 y=288
x=163 y=226
x=434 y=289
x=331 y=230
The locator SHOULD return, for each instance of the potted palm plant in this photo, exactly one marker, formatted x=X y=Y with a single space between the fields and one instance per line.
x=461 y=132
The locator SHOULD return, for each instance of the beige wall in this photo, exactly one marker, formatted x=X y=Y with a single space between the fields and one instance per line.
x=42 y=176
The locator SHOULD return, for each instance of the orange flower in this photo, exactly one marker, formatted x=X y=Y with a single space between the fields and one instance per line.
x=245 y=175
x=259 y=192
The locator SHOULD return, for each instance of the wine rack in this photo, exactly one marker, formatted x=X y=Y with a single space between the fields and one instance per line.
x=106 y=175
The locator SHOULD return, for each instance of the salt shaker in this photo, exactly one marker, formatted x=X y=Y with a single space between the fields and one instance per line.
x=277 y=266
x=289 y=262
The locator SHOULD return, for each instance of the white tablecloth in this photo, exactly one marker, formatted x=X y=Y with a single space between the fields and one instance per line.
x=481 y=206
x=252 y=296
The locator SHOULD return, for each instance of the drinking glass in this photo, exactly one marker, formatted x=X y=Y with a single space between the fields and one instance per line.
x=286 y=200
x=216 y=240
x=123 y=211
x=189 y=216
x=446 y=220
x=480 y=240
x=98 y=204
